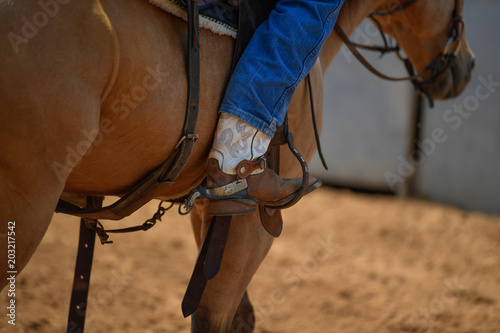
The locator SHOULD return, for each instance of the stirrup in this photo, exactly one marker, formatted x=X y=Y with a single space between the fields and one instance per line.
x=233 y=198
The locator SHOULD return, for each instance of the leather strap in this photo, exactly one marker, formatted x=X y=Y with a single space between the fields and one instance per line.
x=245 y=168
x=198 y=280
x=315 y=126
x=271 y=219
x=208 y=263
x=217 y=245
x=340 y=32
x=186 y=143
x=81 y=280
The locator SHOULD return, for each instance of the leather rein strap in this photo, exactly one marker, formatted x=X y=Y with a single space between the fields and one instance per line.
x=437 y=66
x=168 y=171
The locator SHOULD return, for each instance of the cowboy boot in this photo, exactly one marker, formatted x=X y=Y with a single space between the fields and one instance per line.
x=237 y=177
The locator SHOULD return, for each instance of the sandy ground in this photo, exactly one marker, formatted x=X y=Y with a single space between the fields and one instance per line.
x=345 y=262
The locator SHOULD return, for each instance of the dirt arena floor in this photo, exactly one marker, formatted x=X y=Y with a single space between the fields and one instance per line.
x=346 y=262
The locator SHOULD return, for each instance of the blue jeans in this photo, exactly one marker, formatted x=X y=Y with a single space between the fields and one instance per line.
x=279 y=56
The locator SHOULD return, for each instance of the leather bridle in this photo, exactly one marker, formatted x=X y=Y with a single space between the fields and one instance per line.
x=436 y=67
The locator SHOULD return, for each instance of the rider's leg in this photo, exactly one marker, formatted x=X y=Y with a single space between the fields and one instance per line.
x=278 y=57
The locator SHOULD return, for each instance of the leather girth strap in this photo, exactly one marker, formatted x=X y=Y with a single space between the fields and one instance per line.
x=81 y=280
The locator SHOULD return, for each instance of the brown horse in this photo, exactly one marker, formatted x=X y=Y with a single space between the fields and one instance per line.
x=92 y=98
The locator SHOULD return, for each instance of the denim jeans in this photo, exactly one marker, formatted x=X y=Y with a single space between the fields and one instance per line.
x=279 y=56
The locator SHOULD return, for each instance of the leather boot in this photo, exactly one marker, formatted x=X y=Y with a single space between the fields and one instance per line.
x=237 y=178
x=240 y=194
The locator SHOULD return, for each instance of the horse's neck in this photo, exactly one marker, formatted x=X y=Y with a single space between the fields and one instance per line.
x=353 y=12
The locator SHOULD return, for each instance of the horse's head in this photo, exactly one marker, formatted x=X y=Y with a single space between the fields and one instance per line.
x=431 y=33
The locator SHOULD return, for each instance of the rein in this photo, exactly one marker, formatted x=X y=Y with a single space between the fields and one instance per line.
x=435 y=68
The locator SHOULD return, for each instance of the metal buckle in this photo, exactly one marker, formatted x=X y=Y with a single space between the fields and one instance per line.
x=189 y=203
x=188 y=137
x=263 y=163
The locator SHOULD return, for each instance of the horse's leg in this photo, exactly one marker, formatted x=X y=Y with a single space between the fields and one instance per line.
x=225 y=305
x=244 y=319
x=28 y=194
x=50 y=97
x=34 y=168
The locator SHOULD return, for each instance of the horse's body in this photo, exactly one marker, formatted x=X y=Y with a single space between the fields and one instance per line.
x=113 y=74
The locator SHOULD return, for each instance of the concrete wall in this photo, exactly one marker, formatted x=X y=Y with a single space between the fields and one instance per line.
x=368 y=124
x=465 y=169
